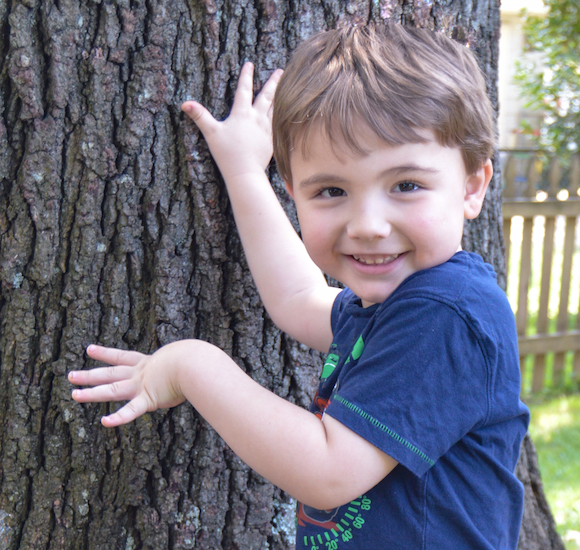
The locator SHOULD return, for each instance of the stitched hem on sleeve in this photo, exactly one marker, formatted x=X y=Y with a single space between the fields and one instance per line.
x=377 y=424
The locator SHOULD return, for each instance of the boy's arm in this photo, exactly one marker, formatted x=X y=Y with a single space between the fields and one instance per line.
x=291 y=286
x=321 y=463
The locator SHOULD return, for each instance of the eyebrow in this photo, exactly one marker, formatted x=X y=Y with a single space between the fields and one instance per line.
x=330 y=179
x=317 y=179
x=396 y=170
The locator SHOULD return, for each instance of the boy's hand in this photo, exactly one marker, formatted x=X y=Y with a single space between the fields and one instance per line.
x=262 y=428
x=241 y=144
x=291 y=286
x=148 y=382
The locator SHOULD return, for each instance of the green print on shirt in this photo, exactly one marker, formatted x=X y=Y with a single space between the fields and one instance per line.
x=329 y=366
x=357 y=350
x=346 y=528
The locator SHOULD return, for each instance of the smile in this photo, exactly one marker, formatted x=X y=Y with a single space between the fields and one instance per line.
x=376 y=260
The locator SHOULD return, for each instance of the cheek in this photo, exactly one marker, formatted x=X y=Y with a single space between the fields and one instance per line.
x=317 y=237
x=436 y=235
x=313 y=236
x=442 y=219
x=427 y=225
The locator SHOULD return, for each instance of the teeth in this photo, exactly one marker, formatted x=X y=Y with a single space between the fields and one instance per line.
x=376 y=261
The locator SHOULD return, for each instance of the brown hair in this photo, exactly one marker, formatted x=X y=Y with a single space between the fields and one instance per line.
x=389 y=79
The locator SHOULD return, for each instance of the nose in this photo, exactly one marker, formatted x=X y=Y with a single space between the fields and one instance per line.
x=369 y=220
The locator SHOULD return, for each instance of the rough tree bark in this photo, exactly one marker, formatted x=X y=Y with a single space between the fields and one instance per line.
x=115 y=228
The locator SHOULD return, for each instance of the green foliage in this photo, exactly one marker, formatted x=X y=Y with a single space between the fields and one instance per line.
x=552 y=85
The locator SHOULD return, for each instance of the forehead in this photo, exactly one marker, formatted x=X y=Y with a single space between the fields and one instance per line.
x=322 y=142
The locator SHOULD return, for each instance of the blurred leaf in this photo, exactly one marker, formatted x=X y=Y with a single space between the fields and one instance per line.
x=549 y=74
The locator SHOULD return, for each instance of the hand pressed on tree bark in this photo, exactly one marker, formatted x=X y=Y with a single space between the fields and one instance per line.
x=131 y=377
x=242 y=143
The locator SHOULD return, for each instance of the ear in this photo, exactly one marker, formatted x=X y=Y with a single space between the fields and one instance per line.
x=475 y=189
x=289 y=189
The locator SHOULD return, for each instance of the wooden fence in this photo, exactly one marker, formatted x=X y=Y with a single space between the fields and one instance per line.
x=545 y=193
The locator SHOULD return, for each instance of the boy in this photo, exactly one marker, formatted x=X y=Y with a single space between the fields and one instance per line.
x=383 y=137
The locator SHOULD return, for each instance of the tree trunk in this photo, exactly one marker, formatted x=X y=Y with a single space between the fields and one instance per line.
x=115 y=228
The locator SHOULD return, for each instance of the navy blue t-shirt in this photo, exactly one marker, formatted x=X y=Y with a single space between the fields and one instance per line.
x=431 y=377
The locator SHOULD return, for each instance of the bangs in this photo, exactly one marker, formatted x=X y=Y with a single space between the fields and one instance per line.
x=347 y=117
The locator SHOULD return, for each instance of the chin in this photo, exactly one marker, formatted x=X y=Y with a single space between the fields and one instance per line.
x=370 y=299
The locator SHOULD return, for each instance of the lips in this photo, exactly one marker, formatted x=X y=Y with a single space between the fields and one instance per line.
x=375 y=259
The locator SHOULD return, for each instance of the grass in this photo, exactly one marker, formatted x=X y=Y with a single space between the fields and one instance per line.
x=555 y=430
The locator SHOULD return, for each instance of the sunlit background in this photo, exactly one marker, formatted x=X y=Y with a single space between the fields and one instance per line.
x=555 y=424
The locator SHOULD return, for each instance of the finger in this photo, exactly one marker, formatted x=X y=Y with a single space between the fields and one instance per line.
x=129 y=412
x=117 y=391
x=200 y=115
x=114 y=356
x=266 y=96
x=102 y=375
x=245 y=90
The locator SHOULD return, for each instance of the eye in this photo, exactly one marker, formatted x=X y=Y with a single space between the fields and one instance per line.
x=332 y=192
x=406 y=186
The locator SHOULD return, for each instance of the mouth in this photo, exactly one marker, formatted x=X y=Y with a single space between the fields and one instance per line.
x=376 y=259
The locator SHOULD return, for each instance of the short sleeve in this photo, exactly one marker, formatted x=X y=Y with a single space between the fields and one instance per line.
x=418 y=386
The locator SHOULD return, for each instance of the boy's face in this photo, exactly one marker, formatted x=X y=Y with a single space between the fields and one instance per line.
x=371 y=221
